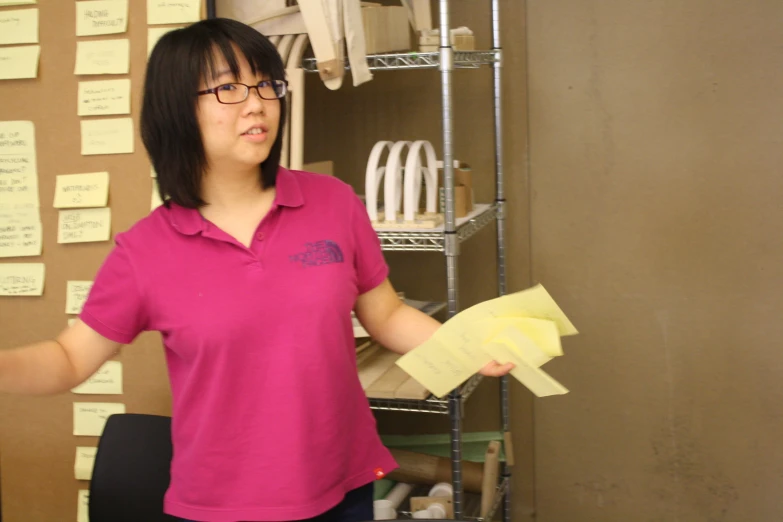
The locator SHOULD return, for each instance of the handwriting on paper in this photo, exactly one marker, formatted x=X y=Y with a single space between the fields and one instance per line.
x=84 y=462
x=109 y=136
x=76 y=295
x=81 y=190
x=106 y=381
x=102 y=56
x=173 y=11
x=19 y=62
x=89 y=418
x=104 y=98
x=84 y=225
x=19 y=26
x=95 y=17
x=22 y=279
x=20 y=232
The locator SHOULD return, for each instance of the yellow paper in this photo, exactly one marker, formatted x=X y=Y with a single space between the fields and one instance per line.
x=75 y=295
x=110 y=136
x=106 y=381
x=523 y=348
x=17 y=2
x=543 y=332
x=22 y=279
x=156 y=201
x=173 y=11
x=82 y=190
x=104 y=98
x=84 y=226
x=154 y=34
x=17 y=137
x=83 y=506
x=435 y=368
x=102 y=56
x=84 y=462
x=153 y=174
x=18 y=181
x=101 y=17
x=89 y=418
x=19 y=62
x=534 y=379
x=19 y=26
x=20 y=232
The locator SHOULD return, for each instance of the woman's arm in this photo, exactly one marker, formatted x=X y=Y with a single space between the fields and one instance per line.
x=400 y=327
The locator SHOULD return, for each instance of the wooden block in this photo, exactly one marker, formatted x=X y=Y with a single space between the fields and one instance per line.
x=366 y=354
x=490 y=479
x=508 y=448
x=411 y=389
x=420 y=503
x=385 y=386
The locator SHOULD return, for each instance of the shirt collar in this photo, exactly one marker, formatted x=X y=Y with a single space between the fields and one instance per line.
x=288 y=193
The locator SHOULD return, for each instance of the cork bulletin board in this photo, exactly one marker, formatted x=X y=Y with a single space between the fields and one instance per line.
x=54 y=124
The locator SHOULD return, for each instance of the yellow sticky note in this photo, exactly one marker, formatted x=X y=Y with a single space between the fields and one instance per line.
x=95 y=17
x=534 y=379
x=84 y=225
x=84 y=462
x=89 y=418
x=20 y=232
x=17 y=137
x=76 y=293
x=18 y=279
x=102 y=56
x=436 y=368
x=104 y=98
x=19 y=26
x=17 y=2
x=155 y=200
x=173 y=11
x=83 y=506
x=19 y=62
x=110 y=136
x=153 y=174
x=106 y=381
x=154 y=34
x=81 y=190
x=18 y=181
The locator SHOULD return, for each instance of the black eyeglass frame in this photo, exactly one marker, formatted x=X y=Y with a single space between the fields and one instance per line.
x=257 y=87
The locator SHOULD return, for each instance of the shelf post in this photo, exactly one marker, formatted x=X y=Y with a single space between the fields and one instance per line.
x=211 y=11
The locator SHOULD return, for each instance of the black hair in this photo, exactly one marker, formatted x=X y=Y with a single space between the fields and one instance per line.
x=181 y=59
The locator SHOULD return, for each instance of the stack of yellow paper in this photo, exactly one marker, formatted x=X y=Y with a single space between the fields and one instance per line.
x=523 y=328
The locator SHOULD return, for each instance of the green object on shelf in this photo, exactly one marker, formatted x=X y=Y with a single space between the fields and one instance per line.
x=382 y=487
x=474 y=445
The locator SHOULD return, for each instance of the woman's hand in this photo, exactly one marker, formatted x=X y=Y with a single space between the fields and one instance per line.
x=495 y=369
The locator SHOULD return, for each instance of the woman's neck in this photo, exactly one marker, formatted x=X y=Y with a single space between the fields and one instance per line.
x=235 y=190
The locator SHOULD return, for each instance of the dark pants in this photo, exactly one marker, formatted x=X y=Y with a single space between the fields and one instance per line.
x=356 y=506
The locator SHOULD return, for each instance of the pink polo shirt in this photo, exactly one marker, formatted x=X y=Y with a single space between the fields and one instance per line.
x=269 y=419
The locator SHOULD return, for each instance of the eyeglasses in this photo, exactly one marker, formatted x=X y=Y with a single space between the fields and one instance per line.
x=237 y=92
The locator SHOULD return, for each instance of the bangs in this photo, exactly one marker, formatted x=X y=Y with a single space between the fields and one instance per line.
x=260 y=54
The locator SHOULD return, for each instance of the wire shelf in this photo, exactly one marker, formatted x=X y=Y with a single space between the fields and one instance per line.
x=410 y=241
x=429 y=405
x=471 y=503
x=414 y=60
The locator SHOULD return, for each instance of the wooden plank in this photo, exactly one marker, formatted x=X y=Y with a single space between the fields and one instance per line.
x=372 y=369
x=387 y=384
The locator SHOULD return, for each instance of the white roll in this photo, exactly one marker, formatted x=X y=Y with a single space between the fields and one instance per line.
x=399 y=493
x=413 y=175
x=372 y=178
x=392 y=185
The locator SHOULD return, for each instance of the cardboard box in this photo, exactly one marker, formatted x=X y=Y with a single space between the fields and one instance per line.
x=386 y=29
x=463 y=192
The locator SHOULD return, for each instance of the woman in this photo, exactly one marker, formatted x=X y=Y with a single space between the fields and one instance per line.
x=250 y=272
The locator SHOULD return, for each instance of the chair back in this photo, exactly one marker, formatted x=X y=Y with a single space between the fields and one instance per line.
x=132 y=470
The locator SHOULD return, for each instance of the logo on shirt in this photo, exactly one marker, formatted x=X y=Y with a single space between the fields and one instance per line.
x=318 y=253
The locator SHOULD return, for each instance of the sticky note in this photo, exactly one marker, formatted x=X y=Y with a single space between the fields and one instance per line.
x=84 y=462
x=19 y=62
x=22 y=279
x=17 y=137
x=20 y=232
x=17 y=2
x=76 y=293
x=95 y=17
x=81 y=190
x=106 y=381
x=19 y=26
x=89 y=418
x=84 y=225
x=173 y=11
x=83 y=506
x=104 y=98
x=153 y=174
x=154 y=34
x=155 y=200
x=18 y=181
x=109 y=136
x=102 y=56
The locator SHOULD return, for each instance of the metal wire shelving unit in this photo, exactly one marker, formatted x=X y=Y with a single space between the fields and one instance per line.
x=447 y=238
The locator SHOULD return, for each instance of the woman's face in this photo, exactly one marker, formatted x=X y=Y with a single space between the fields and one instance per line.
x=237 y=136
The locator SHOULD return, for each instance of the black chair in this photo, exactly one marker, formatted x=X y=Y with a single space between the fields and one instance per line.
x=131 y=471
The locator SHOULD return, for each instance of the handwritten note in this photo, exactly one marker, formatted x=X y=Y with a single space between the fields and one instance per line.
x=173 y=11
x=84 y=462
x=104 y=98
x=18 y=169
x=83 y=506
x=75 y=296
x=523 y=328
x=110 y=136
x=84 y=225
x=19 y=26
x=153 y=35
x=17 y=2
x=106 y=381
x=19 y=62
x=20 y=232
x=102 y=56
x=89 y=418
x=21 y=279
x=101 y=17
x=82 y=190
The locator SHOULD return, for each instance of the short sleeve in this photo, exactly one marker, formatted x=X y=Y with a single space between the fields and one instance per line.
x=369 y=262
x=115 y=305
